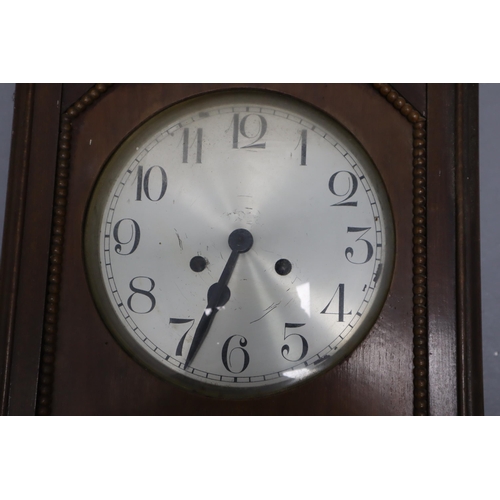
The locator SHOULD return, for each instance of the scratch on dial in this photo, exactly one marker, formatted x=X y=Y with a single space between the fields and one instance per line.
x=272 y=307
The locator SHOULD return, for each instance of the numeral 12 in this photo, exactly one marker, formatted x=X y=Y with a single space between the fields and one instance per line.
x=240 y=127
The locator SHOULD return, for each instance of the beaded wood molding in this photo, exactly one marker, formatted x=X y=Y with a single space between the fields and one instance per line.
x=49 y=338
x=420 y=333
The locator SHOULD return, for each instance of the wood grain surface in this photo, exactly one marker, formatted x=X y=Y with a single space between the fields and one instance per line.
x=90 y=374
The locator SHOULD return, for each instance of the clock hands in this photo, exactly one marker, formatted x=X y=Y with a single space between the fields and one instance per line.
x=240 y=241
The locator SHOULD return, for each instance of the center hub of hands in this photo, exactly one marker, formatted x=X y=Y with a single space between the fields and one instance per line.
x=240 y=240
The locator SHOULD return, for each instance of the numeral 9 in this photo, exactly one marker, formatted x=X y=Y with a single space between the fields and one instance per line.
x=135 y=235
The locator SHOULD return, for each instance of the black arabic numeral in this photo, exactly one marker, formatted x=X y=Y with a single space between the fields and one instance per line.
x=143 y=183
x=285 y=350
x=186 y=145
x=180 y=321
x=303 y=147
x=135 y=235
x=352 y=186
x=349 y=252
x=228 y=354
x=257 y=130
x=143 y=293
x=341 y=312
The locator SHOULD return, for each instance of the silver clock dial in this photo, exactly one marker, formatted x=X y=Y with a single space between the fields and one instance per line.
x=163 y=270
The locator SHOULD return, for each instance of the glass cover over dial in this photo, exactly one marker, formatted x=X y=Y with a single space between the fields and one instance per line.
x=239 y=243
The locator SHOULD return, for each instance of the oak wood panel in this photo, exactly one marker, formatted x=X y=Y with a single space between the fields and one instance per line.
x=94 y=375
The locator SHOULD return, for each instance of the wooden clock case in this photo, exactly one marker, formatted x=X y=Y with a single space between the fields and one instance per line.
x=422 y=357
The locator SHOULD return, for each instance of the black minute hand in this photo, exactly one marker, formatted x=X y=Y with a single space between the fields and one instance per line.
x=240 y=241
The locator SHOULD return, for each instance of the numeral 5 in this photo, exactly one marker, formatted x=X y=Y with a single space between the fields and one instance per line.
x=285 y=350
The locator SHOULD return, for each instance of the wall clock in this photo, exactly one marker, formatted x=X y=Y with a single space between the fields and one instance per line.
x=242 y=249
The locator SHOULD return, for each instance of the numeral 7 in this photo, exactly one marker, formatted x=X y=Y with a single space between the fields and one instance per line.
x=180 y=321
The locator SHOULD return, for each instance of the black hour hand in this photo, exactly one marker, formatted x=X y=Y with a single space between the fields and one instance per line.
x=240 y=241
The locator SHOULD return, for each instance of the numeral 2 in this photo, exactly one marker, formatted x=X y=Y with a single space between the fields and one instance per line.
x=352 y=186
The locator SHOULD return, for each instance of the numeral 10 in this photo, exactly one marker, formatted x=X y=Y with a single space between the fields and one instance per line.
x=143 y=183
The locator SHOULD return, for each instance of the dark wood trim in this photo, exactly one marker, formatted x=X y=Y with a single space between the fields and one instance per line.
x=420 y=319
x=470 y=387
x=59 y=330
x=441 y=242
x=415 y=94
x=72 y=92
x=33 y=250
x=60 y=201
x=13 y=228
x=446 y=313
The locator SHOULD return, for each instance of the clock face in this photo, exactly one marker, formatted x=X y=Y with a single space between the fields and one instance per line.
x=239 y=243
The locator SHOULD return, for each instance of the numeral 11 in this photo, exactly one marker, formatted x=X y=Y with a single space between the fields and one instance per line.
x=185 y=145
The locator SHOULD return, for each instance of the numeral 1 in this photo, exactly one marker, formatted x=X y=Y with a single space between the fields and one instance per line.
x=303 y=148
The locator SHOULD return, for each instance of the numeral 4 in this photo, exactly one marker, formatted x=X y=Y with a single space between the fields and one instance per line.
x=339 y=293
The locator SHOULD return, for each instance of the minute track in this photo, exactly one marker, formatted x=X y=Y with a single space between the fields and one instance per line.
x=288 y=209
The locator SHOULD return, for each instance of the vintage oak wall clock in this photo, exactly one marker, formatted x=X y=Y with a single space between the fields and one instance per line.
x=271 y=249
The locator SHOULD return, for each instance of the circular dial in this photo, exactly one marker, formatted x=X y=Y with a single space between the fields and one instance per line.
x=239 y=243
